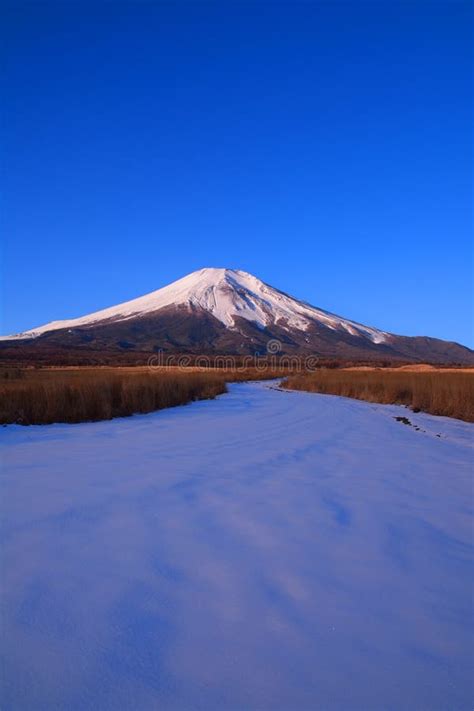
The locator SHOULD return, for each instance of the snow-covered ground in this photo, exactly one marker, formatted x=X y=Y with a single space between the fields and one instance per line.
x=268 y=550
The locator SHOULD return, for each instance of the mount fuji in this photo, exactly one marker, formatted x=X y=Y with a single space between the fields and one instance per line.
x=227 y=311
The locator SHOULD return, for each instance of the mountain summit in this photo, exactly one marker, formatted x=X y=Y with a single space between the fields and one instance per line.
x=230 y=311
x=226 y=294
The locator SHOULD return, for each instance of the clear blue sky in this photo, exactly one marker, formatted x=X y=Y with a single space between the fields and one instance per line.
x=323 y=146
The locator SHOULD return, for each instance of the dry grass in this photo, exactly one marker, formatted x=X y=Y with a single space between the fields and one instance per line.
x=77 y=396
x=42 y=396
x=447 y=393
x=46 y=395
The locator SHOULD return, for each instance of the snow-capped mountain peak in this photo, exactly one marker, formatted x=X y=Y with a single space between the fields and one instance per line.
x=226 y=294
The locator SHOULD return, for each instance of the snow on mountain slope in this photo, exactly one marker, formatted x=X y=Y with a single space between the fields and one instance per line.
x=226 y=294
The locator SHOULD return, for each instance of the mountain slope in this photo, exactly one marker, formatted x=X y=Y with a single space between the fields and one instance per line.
x=229 y=311
x=227 y=295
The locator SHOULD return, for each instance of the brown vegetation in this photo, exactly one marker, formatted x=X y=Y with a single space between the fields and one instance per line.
x=28 y=355
x=43 y=397
x=442 y=392
x=46 y=395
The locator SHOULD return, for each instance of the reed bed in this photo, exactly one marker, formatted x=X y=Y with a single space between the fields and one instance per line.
x=91 y=395
x=30 y=396
x=442 y=392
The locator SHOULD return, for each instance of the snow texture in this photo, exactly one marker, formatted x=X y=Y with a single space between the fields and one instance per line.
x=268 y=550
x=226 y=294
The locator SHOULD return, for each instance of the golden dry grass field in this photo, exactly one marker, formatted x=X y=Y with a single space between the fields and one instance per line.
x=46 y=395
x=448 y=392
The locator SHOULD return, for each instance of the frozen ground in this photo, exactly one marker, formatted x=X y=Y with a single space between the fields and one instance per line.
x=267 y=550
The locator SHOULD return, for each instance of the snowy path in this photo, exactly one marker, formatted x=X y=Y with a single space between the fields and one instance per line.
x=264 y=551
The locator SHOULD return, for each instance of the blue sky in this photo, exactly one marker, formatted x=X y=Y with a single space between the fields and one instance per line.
x=323 y=146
